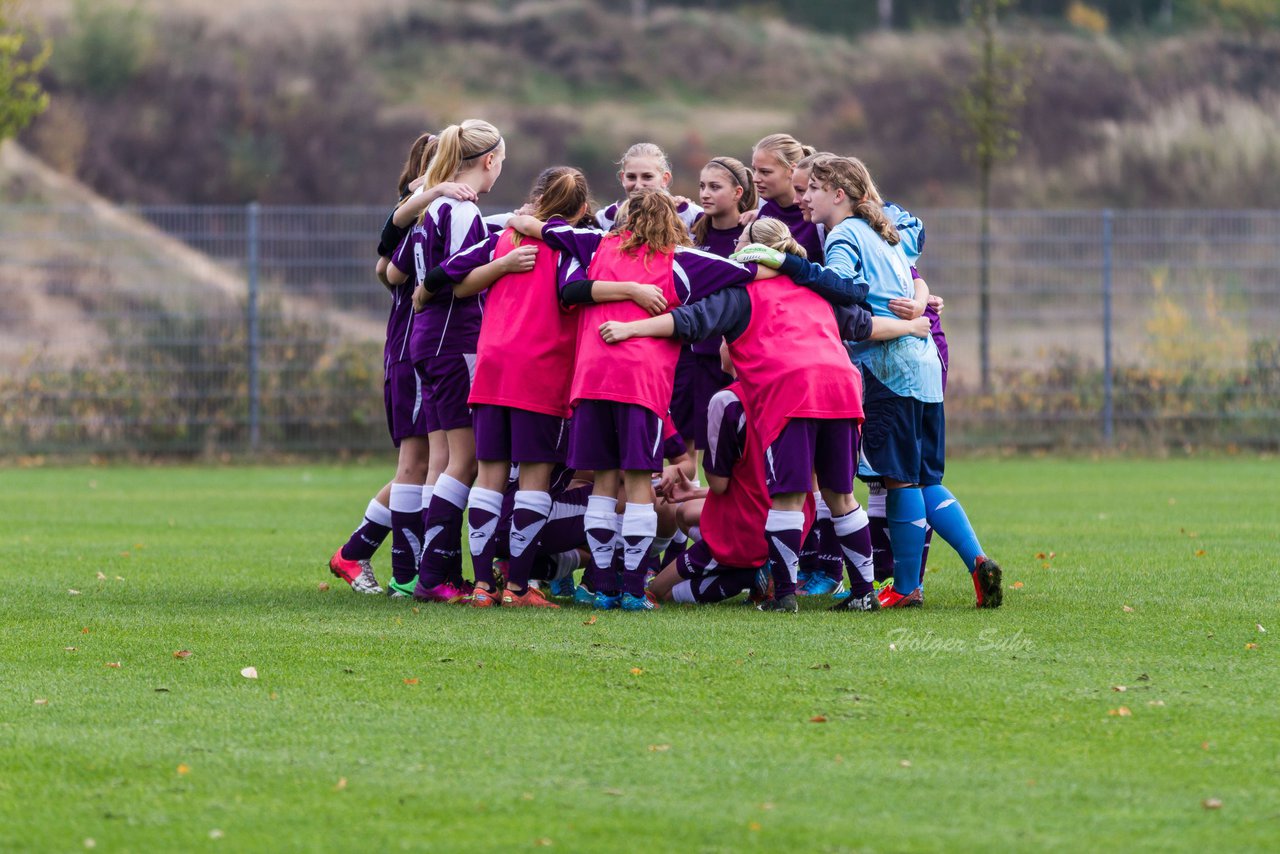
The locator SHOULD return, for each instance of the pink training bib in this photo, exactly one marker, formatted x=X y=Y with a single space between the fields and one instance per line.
x=790 y=359
x=640 y=370
x=524 y=357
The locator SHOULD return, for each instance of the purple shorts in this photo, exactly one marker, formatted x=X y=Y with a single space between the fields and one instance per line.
x=609 y=436
x=828 y=446
x=406 y=402
x=698 y=378
x=446 y=381
x=518 y=435
x=697 y=562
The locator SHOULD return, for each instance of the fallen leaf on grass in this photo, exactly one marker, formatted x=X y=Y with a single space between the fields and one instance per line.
x=1261 y=629
x=766 y=806
x=119 y=578
x=1251 y=646
x=823 y=666
x=1204 y=745
x=322 y=586
x=85 y=630
x=114 y=664
x=69 y=648
x=1041 y=555
x=543 y=842
x=341 y=784
x=753 y=826
x=1119 y=688
x=617 y=793
x=659 y=748
x=73 y=592
x=590 y=622
x=1155 y=702
x=182 y=653
x=1200 y=552
x=89 y=843
x=1128 y=610
x=102 y=576
x=215 y=834
x=906 y=763
x=1211 y=804
x=413 y=681
x=249 y=673
x=1122 y=712
x=42 y=702
x=636 y=671
x=1017 y=585
x=526 y=796
x=184 y=768
x=818 y=719
x=1052 y=555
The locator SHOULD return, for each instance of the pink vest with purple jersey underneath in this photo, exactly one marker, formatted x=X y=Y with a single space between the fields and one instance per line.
x=790 y=359
x=639 y=371
x=732 y=523
x=524 y=358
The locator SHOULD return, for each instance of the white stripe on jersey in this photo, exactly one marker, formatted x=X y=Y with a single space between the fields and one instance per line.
x=684 y=278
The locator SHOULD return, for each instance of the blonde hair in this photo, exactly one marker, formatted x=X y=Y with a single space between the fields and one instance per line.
x=741 y=176
x=785 y=147
x=775 y=234
x=645 y=149
x=851 y=175
x=806 y=162
x=459 y=144
x=652 y=224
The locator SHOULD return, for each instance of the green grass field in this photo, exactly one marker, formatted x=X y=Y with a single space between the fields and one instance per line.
x=1125 y=696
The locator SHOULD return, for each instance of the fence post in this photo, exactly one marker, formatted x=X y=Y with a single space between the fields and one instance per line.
x=253 y=239
x=1108 y=414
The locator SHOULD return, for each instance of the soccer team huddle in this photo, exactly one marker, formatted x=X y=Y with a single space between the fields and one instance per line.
x=557 y=377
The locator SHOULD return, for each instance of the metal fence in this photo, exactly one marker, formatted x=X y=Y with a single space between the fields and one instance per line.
x=223 y=330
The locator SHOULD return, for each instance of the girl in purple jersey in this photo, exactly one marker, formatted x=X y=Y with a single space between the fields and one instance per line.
x=726 y=191
x=398 y=505
x=645 y=166
x=443 y=342
x=773 y=160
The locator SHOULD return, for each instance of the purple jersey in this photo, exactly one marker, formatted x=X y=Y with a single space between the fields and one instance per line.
x=697 y=273
x=722 y=242
x=606 y=218
x=447 y=326
x=726 y=433
x=457 y=266
x=400 y=321
x=807 y=234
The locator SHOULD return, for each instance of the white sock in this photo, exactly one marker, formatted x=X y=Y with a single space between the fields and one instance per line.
x=639 y=526
x=453 y=491
x=679 y=537
x=683 y=593
x=487 y=500
x=537 y=502
x=405 y=498
x=660 y=545
x=378 y=513
x=823 y=511
x=600 y=516
x=695 y=534
x=851 y=523
x=786 y=520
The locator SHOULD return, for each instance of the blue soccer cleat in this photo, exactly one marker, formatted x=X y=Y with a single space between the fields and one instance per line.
x=820 y=584
x=562 y=587
x=631 y=602
x=605 y=602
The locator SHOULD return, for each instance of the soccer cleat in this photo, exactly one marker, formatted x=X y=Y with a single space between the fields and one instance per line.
x=820 y=584
x=882 y=583
x=786 y=605
x=803 y=577
x=986 y=582
x=357 y=573
x=583 y=596
x=485 y=598
x=561 y=587
x=606 y=602
x=631 y=602
x=761 y=587
x=396 y=590
x=447 y=593
x=842 y=594
x=866 y=602
x=890 y=598
x=531 y=598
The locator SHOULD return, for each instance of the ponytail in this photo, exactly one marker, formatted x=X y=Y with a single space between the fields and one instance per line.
x=775 y=234
x=851 y=175
x=458 y=143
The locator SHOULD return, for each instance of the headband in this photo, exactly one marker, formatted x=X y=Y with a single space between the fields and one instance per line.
x=726 y=167
x=482 y=153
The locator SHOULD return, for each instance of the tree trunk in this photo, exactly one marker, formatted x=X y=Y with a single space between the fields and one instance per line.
x=885 y=8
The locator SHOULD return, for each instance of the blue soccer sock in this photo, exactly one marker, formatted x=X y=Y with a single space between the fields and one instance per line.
x=948 y=518
x=905 y=510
